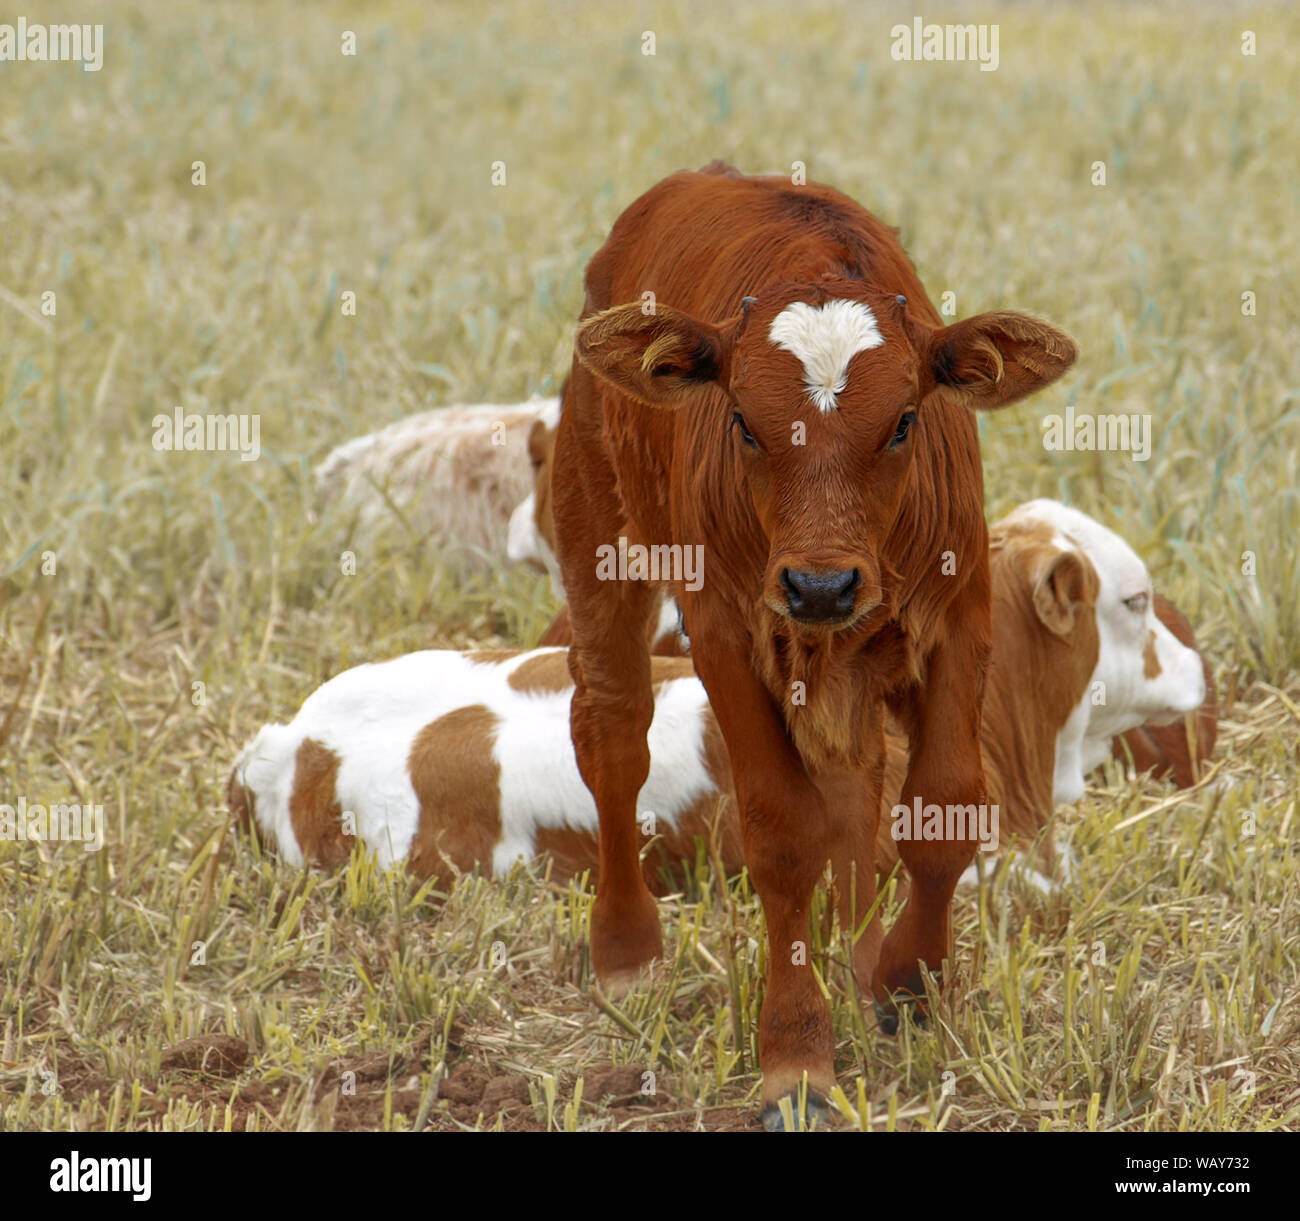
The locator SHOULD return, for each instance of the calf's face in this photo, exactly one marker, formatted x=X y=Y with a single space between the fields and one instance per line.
x=826 y=386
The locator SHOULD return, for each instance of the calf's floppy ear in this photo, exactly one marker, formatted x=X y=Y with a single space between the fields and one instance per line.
x=657 y=358
x=994 y=359
x=1064 y=583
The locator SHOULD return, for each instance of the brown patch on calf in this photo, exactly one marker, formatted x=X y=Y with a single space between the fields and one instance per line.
x=541 y=454
x=242 y=804
x=1150 y=662
x=458 y=785
x=546 y=672
x=314 y=811
x=572 y=852
x=491 y=657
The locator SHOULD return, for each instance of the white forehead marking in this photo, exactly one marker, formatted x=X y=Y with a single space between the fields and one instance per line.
x=825 y=338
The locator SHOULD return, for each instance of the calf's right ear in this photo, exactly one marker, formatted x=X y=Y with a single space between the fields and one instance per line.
x=656 y=358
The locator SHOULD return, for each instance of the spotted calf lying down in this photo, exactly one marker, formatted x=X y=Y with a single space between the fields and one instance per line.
x=452 y=761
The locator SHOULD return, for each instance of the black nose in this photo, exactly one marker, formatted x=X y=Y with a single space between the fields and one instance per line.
x=820 y=597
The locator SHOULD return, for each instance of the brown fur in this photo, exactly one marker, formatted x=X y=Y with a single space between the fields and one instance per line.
x=541 y=453
x=549 y=672
x=458 y=785
x=666 y=644
x=242 y=804
x=491 y=656
x=314 y=811
x=646 y=449
x=1150 y=661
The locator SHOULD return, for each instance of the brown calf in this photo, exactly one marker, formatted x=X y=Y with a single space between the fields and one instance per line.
x=759 y=373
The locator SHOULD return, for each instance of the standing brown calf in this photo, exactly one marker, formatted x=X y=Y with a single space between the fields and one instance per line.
x=759 y=374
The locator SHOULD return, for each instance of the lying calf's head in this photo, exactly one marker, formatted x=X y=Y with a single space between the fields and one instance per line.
x=1143 y=673
x=530 y=538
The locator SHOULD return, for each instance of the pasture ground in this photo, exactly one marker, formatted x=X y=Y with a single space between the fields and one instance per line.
x=1158 y=992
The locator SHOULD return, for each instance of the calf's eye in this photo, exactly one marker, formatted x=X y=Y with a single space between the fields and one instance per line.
x=1137 y=604
x=738 y=421
x=900 y=433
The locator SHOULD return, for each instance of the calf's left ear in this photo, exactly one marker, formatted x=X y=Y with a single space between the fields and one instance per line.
x=657 y=358
x=1063 y=584
x=994 y=359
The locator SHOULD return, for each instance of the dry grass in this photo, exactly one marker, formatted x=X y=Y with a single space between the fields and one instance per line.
x=372 y=175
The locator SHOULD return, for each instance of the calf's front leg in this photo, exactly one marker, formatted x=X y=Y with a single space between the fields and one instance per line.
x=785 y=834
x=943 y=724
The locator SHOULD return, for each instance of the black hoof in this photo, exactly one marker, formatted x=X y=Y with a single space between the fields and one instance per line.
x=887 y=1015
x=816 y=1116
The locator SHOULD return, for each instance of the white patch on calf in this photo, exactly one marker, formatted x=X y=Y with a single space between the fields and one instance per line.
x=825 y=338
x=266 y=768
x=548 y=411
x=541 y=786
x=670 y=625
x=523 y=541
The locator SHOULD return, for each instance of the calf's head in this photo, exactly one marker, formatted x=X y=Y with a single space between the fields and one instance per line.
x=1143 y=672
x=826 y=390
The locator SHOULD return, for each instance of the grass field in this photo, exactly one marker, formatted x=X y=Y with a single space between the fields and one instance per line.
x=1158 y=992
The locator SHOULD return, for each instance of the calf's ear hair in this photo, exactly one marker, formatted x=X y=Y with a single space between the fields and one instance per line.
x=656 y=358
x=990 y=360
